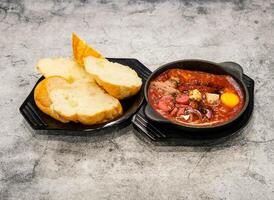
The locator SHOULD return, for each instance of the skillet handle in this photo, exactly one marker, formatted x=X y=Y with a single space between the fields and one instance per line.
x=233 y=68
x=152 y=115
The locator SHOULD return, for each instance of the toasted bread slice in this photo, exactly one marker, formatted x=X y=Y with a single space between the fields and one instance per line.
x=118 y=80
x=81 y=50
x=64 y=67
x=80 y=101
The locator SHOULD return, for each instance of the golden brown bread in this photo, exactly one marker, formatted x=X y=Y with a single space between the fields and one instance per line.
x=79 y=101
x=118 y=80
x=70 y=90
x=64 y=67
x=81 y=50
x=43 y=101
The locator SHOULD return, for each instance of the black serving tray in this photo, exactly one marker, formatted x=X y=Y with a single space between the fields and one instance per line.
x=160 y=133
x=42 y=122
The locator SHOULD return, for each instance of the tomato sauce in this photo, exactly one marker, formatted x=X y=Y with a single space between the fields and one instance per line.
x=195 y=97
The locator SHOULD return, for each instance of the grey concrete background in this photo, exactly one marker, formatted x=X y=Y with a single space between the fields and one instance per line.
x=119 y=165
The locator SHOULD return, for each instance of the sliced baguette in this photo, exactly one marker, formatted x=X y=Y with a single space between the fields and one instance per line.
x=118 y=80
x=79 y=101
x=81 y=50
x=64 y=67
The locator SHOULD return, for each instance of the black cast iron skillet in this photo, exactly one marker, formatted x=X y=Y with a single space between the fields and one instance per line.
x=225 y=68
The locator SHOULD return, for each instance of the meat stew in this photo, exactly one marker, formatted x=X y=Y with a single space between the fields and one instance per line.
x=195 y=97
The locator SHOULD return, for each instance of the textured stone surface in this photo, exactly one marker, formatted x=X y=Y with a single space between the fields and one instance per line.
x=119 y=165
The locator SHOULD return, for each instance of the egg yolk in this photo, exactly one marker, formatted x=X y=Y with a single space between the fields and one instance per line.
x=230 y=99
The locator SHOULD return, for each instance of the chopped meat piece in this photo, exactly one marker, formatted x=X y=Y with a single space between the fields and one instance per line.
x=174 y=112
x=181 y=111
x=166 y=103
x=166 y=86
x=175 y=81
x=182 y=99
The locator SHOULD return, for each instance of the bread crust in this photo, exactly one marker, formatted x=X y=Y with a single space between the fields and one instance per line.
x=81 y=50
x=43 y=102
x=118 y=91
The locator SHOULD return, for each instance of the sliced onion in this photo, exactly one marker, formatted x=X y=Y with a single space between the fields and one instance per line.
x=196 y=112
x=185 y=117
x=208 y=113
